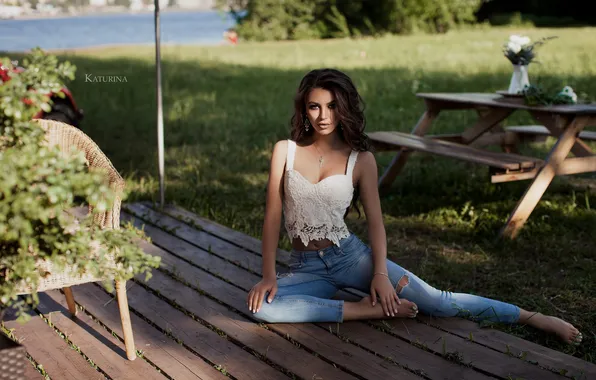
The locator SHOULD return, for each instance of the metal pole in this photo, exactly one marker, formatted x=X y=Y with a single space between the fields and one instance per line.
x=160 y=142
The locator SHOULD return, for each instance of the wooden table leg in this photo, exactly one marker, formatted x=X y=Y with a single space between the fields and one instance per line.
x=401 y=157
x=488 y=119
x=553 y=124
x=544 y=177
x=497 y=134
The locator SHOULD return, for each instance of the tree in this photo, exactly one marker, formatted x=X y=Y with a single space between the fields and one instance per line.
x=298 y=19
x=540 y=13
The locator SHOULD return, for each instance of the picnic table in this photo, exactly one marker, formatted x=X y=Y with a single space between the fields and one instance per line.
x=566 y=123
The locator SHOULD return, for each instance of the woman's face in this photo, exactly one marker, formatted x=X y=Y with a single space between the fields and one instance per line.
x=321 y=111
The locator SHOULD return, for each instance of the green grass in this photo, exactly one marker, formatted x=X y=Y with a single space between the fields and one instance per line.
x=226 y=106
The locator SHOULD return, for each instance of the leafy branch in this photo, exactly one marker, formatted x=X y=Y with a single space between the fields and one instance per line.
x=536 y=96
x=38 y=185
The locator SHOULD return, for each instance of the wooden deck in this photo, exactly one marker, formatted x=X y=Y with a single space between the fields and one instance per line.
x=190 y=321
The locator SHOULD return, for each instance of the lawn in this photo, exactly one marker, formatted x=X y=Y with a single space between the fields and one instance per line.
x=226 y=106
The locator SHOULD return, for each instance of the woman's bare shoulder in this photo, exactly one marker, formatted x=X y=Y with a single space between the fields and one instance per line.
x=280 y=147
x=366 y=160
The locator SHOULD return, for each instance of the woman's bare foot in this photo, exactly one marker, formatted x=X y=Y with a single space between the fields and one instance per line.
x=554 y=325
x=364 y=310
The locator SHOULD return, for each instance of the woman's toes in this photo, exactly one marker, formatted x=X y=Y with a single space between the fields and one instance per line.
x=412 y=308
x=414 y=312
x=577 y=338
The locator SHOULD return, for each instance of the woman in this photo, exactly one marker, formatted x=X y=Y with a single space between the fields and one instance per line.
x=314 y=179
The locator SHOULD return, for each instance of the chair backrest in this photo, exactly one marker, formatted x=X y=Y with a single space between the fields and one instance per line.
x=67 y=137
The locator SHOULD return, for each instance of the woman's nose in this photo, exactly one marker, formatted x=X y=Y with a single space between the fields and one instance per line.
x=324 y=113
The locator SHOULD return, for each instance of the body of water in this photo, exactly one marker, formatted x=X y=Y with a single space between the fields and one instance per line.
x=189 y=27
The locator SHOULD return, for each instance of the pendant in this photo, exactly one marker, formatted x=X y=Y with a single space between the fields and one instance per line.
x=320 y=161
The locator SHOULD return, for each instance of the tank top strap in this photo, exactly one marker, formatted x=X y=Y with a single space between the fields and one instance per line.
x=351 y=162
x=291 y=154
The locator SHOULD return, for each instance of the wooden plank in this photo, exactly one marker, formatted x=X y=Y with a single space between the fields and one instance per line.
x=202 y=224
x=94 y=341
x=464 y=351
x=47 y=348
x=326 y=345
x=502 y=342
x=494 y=138
x=400 y=159
x=517 y=347
x=453 y=137
x=429 y=365
x=159 y=349
x=209 y=247
x=246 y=281
x=197 y=256
x=32 y=374
x=346 y=355
x=178 y=248
x=458 y=151
x=164 y=351
x=412 y=357
x=541 y=130
x=513 y=176
x=199 y=237
x=501 y=138
x=496 y=100
x=237 y=327
x=477 y=355
x=570 y=166
x=506 y=157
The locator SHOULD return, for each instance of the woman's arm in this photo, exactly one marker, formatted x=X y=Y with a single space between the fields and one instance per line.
x=369 y=194
x=271 y=227
x=381 y=286
x=273 y=208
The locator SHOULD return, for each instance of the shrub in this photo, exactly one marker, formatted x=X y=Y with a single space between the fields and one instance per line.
x=38 y=184
x=297 y=19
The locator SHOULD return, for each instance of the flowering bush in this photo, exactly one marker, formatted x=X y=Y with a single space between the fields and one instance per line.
x=519 y=50
x=38 y=183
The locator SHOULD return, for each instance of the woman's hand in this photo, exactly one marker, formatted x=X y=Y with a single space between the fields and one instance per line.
x=257 y=293
x=382 y=287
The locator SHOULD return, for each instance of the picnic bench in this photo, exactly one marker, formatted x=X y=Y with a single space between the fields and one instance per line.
x=191 y=321
x=565 y=123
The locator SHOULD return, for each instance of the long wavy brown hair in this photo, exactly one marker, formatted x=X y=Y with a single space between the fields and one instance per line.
x=349 y=112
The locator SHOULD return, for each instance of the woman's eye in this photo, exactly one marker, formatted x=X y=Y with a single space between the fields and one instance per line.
x=313 y=107
x=332 y=106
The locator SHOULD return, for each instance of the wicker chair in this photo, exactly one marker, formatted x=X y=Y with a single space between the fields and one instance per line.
x=67 y=137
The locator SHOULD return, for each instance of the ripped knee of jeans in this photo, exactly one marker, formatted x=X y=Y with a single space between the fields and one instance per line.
x=402 y=283
x=282 y=275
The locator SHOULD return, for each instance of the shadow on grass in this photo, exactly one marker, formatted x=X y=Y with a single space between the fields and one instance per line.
x=222 y=120
x=442 y=216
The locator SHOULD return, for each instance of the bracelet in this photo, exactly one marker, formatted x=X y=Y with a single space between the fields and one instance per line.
x=384 y=274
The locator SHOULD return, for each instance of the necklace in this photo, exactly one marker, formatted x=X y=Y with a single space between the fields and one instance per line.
x=320 y=156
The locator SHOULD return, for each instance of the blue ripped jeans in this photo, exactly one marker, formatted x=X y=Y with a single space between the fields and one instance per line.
x=304 y=294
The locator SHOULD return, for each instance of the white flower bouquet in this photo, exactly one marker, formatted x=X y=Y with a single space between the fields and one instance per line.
x=520 y=49
x=536 y=96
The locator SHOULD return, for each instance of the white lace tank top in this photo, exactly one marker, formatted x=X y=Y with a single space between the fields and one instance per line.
x=315 y=211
